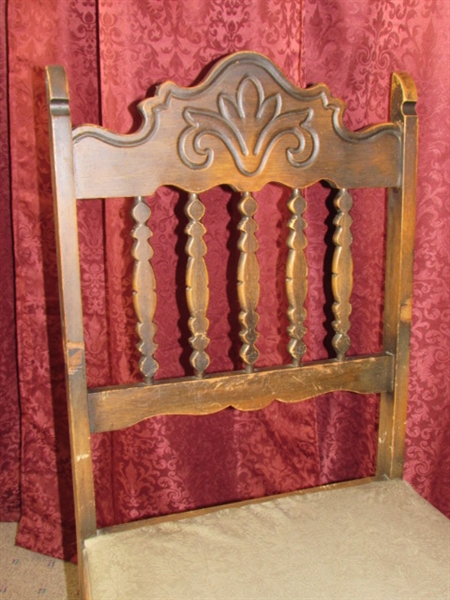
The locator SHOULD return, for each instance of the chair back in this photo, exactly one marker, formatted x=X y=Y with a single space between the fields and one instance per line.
x=244 y=126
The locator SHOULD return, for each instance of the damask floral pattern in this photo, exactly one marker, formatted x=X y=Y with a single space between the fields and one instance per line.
x=355 y=47
x=116 y=51
x=38 y=36
x=9 y=414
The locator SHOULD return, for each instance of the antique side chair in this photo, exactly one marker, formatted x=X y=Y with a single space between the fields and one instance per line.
x=244 y=126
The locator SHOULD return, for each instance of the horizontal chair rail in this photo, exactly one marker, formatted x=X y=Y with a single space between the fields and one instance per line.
x=117 y=407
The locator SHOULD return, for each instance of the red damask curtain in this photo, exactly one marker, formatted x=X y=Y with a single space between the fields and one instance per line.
x=114 y=53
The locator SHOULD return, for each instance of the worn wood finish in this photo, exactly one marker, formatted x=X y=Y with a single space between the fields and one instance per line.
x=197 y=292
x=248 y=281
x=399 y=280
x=144 y=296
x=65 y=210
x=121 y=406
x=296 y=277
x=342 y=277
x=246 y=125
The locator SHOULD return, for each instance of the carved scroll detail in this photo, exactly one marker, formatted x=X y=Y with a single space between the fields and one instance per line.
x=248 y=281
x=249 y=125
x=144 y=296
x=342 y=268
x=197 y=292
x=296 y=277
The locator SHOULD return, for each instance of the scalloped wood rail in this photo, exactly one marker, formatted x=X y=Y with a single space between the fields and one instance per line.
x=122 y=406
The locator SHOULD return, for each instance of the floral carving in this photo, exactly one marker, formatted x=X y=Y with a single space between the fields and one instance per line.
x=249 y=125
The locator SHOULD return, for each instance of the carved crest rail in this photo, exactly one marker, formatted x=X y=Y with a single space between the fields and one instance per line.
x=246 y=125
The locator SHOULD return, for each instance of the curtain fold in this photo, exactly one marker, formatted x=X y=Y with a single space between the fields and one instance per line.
x=10 y=411
x=114 y=52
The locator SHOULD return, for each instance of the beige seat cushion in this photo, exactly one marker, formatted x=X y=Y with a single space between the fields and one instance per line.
x=379 y=540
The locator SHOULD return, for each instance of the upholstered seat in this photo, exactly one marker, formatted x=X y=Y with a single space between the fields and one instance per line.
x=376 y=541
x=245 y=126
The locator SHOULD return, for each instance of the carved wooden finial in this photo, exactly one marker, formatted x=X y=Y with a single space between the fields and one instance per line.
x=57 y=90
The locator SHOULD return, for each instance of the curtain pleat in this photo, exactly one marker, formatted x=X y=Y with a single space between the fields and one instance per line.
x=10 y=410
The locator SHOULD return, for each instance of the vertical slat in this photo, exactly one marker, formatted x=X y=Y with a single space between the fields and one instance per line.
x=399 y=281
x=296 y=277
x=144 y=296
x=342 y=277
x=65 y=211
x=248 y=281
x=197 y=292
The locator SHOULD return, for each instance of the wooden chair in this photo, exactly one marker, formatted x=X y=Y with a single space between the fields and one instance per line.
x=244 y=126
